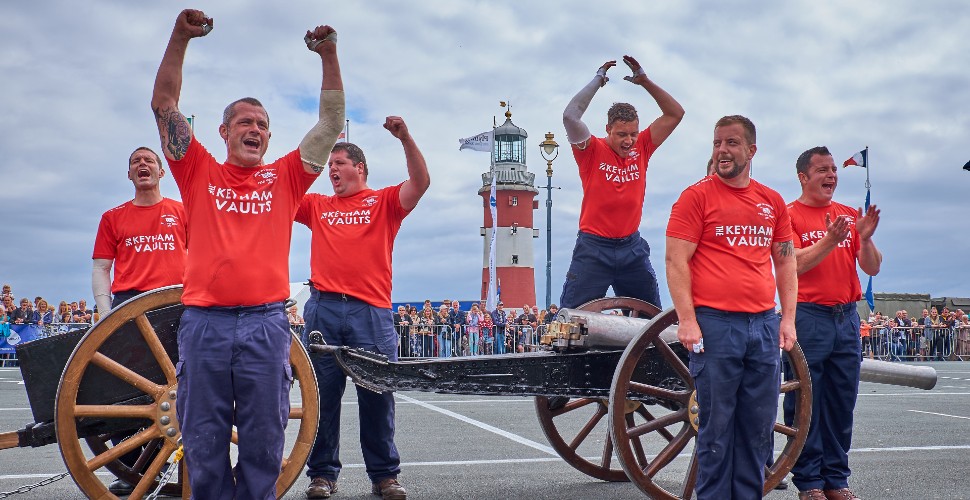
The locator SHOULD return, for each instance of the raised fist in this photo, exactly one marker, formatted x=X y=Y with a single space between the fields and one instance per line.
x=315 y=38
x=396 y=126
x=193 y=23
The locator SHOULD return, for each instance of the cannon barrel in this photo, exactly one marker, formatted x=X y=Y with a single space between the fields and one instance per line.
x=884 y=372
x=613 y=331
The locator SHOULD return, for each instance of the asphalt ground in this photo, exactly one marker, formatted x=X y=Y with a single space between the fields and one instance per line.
x=908 y=444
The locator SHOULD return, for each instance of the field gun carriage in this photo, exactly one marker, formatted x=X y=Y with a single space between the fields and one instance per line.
x=613 y=394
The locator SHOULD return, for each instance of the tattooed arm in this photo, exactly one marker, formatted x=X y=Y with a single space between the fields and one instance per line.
x=173 y=128
x=786 y=278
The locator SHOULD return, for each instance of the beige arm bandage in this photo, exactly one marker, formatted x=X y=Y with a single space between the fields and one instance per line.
x=316 y=145
x=101 y=285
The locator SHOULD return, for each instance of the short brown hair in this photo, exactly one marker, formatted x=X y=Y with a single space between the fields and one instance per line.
x=801 y=164
x=621 y=112
x=150 y=150
x=353 y=152
x=749 y=130
x=230 y=110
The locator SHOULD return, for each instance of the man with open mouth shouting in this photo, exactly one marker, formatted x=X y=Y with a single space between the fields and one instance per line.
x=234 y=338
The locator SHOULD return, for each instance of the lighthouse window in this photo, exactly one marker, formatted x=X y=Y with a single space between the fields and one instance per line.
x=513 y=201
x=515 y=259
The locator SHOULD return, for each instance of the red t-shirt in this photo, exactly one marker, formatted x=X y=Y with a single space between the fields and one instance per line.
x=241 y=223
x=734 y=229
x=834 y=280
x=147 y=245
x=352 y=242
x=613 y=187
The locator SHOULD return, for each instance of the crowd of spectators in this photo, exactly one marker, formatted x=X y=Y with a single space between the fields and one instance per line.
x=451 y=331
x=68 y=316
x=933 y=336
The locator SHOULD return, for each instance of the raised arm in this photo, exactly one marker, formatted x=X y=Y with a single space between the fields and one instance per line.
x=678 y=255
x=576 y=131
x=173 y=128
x=786 y=279
x=316 y=145
x=418 y=178
x=672 y=111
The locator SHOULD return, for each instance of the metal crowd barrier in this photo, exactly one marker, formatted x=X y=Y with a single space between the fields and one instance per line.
x=917 y=343
x=444 y=341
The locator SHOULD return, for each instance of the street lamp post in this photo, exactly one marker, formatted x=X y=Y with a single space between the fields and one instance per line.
x=550 y=151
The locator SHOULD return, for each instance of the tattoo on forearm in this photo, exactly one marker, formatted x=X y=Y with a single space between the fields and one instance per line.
x=786 y=248
x=177 y=130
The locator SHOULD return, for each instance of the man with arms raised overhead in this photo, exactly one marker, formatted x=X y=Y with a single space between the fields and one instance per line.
x=350 y=302
x=609 y=250
x=234 y=338
x=724 y=233
x=829 y=239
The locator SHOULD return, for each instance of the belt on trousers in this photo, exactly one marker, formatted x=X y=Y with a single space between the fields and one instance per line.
x=834 y=310
x=335 y=296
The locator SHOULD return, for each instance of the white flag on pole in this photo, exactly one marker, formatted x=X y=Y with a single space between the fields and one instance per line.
x=492 y=298
x=480 y=142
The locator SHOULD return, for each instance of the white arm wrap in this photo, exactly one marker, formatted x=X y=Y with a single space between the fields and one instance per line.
x=576 y=131
x=316 y=145
x=101 y=285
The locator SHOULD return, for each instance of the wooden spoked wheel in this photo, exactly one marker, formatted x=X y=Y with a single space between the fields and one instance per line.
x=576 y=426
x=102 y=362
x=647 y=451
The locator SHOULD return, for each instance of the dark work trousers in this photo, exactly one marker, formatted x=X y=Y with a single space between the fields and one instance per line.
x=598 y=263
x=346 y=321
x=234 y=368
x=829 y=337
x=737 y=379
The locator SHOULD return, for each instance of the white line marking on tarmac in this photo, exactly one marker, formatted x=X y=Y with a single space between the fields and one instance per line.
x=921 y=393
x=14 y=409
x=910 y=448
x=955 y=378
x=536 y=460
x=514 y=437
x=938 y=414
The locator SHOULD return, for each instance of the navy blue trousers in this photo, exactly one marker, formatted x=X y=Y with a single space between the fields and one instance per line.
x=829 y=337
x=234 y=369
x=352 y=323
x=598 y=263
x=737 y=379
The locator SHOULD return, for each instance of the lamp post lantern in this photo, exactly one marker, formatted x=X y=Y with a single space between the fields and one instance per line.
x=550 y=151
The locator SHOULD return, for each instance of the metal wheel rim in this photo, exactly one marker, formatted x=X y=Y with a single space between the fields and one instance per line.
x=641 y=472
x=605 y=469
x=85 y=354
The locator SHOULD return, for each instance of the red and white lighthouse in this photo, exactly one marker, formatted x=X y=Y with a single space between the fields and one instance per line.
x=515 y=194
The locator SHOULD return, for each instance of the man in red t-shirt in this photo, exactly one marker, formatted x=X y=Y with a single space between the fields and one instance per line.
x=724 y=233
x=234 y=337
x=829 y=239
x=145 y=241
x=609 y=250
x=353 y=235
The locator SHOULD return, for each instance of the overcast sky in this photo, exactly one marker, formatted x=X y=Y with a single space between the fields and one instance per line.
x=77 y=79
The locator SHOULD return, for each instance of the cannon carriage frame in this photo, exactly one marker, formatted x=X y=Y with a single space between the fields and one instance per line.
x=618 y=384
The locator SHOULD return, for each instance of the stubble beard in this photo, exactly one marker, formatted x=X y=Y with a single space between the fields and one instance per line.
x=735 y=171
